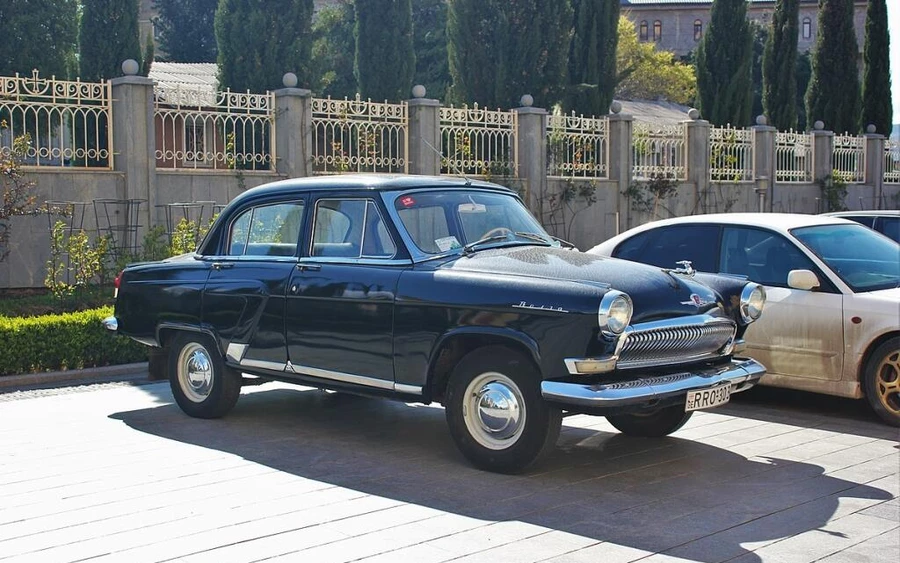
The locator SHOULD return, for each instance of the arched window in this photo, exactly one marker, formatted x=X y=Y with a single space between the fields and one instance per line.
x=643 y=30
x=657 y=30
x=698 y=30
x=807 y=28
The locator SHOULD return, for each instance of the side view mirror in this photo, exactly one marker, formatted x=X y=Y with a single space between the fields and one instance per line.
x=802 y=279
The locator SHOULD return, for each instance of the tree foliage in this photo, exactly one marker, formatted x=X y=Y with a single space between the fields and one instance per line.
x=187 y=30
x=780 y=66
x=38 y=34
x=430 y=43
x=760 y=35
x=724 y=65
x=108 y=36
x=332 y=53
x=592 y=56
x=501 y=49
x=646 y=73
x=876 y=89
x=385 y=60
x=16 y=191
x=258 y=42
x=833 y=94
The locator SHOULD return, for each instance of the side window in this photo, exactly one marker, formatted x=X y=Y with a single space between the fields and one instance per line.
x=269 y=230
x=763 y=256
x=426 y=225
x=890 y=226
x=351 y=228
x=666 y=246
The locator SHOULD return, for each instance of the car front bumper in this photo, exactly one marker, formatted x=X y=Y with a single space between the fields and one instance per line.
x=741 y=374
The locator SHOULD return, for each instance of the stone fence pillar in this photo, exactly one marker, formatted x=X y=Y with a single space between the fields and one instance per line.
x=823 y=152
x=621 y=162
x=424 y=134
x=531 y=151
x=293 y=129
x=698 y=159
x=764 y=162
x=875 y=166
x=134 y=138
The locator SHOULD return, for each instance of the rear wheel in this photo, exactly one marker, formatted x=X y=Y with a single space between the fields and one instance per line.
x=653 y=424
x=881 y=381
x=495 y=411
x=201 y=383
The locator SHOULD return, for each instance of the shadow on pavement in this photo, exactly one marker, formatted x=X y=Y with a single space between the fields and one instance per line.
x=654 y=495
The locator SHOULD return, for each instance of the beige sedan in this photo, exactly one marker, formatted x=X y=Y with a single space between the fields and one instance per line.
x=832 y=318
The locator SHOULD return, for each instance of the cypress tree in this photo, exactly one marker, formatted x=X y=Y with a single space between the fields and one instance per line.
x=259 y=41
x=592 y=57
x=186 y=30
x=724 y=65
x=37 y=34
x=385 y=60
x=876 y=90
x=833 y=94
x=473 y=36
x=780 y=66
x=332 y=54
x=108 y=36
x=430 y=39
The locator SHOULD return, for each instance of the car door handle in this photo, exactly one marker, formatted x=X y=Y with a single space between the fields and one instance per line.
x=222 y=265
x=309 y=267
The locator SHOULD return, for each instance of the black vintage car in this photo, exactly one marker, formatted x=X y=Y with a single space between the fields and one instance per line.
x=436 y=289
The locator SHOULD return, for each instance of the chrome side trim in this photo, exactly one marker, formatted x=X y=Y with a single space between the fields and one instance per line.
x=333 y=375
x=110 y=323
x=741 y=374
x=263 y=364
x=409 y=389
x=235 y=351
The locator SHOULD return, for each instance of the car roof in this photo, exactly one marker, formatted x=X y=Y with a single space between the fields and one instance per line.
x=372 y=182
x=866 y=213
x=778 y=221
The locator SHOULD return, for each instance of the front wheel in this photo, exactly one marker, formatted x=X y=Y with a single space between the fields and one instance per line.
x=201 y=383
x=881 y=381
x=660 y=422
x=495 y=411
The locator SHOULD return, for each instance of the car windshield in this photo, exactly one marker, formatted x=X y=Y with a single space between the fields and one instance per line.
x=441 y=221
x=864 y=259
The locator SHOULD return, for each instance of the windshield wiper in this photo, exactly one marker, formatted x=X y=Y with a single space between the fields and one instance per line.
x=533 y=236
x=469 y=248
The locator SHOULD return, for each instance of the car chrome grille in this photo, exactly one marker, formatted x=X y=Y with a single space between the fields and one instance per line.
x=667 y=343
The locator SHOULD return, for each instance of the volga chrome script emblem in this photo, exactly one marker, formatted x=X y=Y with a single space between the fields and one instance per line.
x=696 y=300
x=524 y=305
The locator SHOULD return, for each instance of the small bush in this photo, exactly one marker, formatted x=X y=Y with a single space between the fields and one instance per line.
x=67 y=341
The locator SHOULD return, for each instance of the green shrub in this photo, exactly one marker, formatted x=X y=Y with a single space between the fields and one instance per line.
x=67 y=341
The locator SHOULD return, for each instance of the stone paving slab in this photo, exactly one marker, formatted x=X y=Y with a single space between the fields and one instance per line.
x=116 y=472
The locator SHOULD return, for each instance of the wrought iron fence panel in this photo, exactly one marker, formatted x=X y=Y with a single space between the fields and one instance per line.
x=359 y=136
x=793 y=157
x=201 y=128
x=849 y=158
x=731 y=154
x=891 y=161
x=659 y=151
x=68 y=123
x=478 y=142
x=577 y=146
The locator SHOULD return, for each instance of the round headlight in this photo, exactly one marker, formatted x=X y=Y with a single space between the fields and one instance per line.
x=753 y=299
x=615 y=312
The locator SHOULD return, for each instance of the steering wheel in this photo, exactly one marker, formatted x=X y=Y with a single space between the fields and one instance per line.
x=497 y=231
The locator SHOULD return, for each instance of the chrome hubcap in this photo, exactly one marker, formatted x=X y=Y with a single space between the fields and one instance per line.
x=195 y=372
x=887 y=382
x=494 y=411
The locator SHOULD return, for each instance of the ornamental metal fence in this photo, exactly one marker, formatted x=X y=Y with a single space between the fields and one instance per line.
x=359 y=136
x=200 y=128
x=65 y=123
x=891 y=161
x=659 y=151
x=577 y=146
x=731 y=154
x=478 y=142
x=793 y=157
x=849 y=158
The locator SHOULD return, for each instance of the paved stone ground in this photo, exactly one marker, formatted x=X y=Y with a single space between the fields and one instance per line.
x=118 y=473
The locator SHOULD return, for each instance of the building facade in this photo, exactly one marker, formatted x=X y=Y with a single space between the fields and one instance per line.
x=678 y=25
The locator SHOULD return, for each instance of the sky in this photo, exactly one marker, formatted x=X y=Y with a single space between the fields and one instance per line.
x=893 y=7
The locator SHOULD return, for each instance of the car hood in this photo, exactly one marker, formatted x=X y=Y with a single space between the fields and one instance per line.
x=654 y=292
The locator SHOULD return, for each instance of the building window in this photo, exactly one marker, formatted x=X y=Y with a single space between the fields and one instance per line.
x=698 y=30
x=643 y=31
x=657 y=30
x=807 y=28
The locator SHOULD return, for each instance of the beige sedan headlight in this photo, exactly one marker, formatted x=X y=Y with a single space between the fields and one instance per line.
x=753 y=299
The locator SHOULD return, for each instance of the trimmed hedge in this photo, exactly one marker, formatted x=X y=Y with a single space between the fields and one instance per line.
x=66 y=341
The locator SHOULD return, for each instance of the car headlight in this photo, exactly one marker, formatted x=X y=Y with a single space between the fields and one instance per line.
x=753 y=299
x=615 y=312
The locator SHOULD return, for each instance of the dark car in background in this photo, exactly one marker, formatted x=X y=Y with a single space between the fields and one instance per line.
x=886 y=222
x=442 y=290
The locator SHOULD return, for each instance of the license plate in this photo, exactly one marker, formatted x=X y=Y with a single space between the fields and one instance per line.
x=707 y=398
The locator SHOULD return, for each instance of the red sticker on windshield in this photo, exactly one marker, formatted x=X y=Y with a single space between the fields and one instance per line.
x=407 y=201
